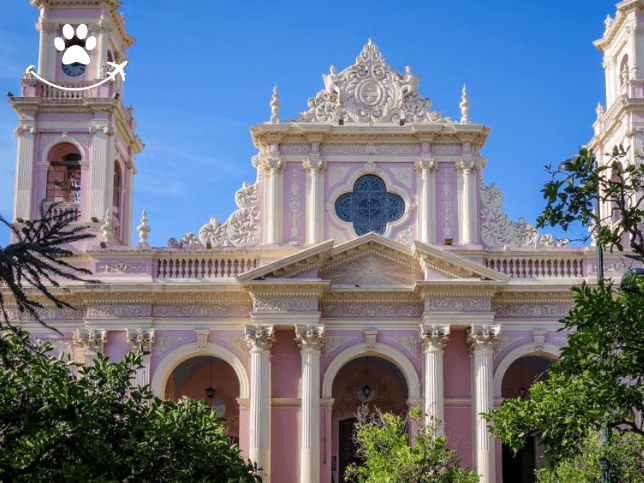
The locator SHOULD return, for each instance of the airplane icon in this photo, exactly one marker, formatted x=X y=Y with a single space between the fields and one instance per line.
x=118 y=69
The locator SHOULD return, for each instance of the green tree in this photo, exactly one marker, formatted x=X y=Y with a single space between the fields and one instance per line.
x=38 y=260
x=383 y=443
x=60 y=421
x=599 y=380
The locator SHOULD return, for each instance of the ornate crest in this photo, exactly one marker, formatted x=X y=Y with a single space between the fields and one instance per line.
x=370 y=91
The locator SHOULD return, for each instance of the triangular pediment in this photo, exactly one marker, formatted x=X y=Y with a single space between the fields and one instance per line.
x=374 y=261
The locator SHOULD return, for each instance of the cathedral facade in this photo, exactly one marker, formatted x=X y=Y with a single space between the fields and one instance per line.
x=368 y=262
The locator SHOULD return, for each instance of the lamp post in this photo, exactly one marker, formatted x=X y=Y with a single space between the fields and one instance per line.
x=600 y=279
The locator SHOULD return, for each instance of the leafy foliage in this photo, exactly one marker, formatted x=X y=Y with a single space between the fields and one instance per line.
x=572 y=194
x=383 y=442
x=37 y=260
x=60 y=421
x=599 y=380
x=624 y=457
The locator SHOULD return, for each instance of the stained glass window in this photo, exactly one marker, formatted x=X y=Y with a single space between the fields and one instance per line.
x=369 y=207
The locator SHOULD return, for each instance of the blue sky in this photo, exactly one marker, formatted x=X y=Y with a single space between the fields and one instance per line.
x=201 y=74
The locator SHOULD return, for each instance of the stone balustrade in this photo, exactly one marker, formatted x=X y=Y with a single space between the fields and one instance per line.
x=204 y=266
x=539 y=265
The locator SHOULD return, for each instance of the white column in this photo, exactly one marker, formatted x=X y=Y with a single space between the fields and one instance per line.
x=482 y=339
x=464 y=202
x=24 y=171
x=433 y=340
x=46 y=52
x=274 y=166
x=426 y=167
x=314 y=199
x=100 y=30
x=90 y=342
x=142 y=340
x=260 y=339
x=100 y=166
x=310 y=340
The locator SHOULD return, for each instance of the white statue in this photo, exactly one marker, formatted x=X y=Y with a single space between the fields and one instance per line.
x=408 y=84
x=331 y=84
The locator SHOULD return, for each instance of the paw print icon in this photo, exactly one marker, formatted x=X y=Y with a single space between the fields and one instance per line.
x=75 y=45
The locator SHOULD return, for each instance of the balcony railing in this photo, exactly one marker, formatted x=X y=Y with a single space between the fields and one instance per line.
x=50 y=92
x=62 y=207
x=542 y=266
x=204 y=266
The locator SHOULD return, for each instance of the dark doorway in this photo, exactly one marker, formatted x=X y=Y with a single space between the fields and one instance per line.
x=519 y=467
x=348 y=448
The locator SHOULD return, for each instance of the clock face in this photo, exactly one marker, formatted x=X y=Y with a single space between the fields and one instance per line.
x=74 y=70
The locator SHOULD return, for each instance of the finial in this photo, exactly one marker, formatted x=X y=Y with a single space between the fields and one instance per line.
x=143 y=230
x=275 y=106
x=465 y=107
x=608 y=21
x=109 y=228
x=599 y=110
x=370 y=41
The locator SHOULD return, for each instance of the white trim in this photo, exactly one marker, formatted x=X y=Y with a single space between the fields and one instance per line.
x=171 y=361
x=548 y=350
x=347 y=187
x=381 y=350
x=59 y=140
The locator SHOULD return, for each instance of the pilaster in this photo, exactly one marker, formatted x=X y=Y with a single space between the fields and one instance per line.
x=426 y=168
x=142 y=341
x=260 y=340
x=24 y=170
x=310 y=339
x=315 y=166
x=465 y=167
x=47 y=55
x=274 y=167
x=102 y=171
x=433 y=340
x=482 y=339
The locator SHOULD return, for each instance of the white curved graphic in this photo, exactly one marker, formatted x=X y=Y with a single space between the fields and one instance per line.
x=118 y=69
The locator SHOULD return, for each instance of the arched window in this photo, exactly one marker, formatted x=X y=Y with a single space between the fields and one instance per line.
x=118 y=189
x=369 y=207
x=64 y=174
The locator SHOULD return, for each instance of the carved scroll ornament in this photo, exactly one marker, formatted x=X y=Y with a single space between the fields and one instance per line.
x=240 y=230
x=497 y=230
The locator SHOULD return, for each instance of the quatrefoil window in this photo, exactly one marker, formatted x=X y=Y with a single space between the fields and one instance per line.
x=369 y=207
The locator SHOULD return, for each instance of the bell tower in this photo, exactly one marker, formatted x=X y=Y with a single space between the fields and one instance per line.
x=621 y=120
x=76 y=140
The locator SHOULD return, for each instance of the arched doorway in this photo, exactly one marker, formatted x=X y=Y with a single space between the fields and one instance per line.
x=192 y=377
x=369 y=380
x=516 y=382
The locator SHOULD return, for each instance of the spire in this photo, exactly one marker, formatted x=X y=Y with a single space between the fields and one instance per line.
x=465 y=107
x=143 y=230
x=275 y=106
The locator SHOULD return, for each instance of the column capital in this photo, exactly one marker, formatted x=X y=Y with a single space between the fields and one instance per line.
x=314 y=164
x=426 y=164
x=434 y=337
x=310 y=338
x=465 y=164
x=91 y=341
x=259 y=338
x=140 y=339
x=483 y=337
x=24 y=128
x=47 y=25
